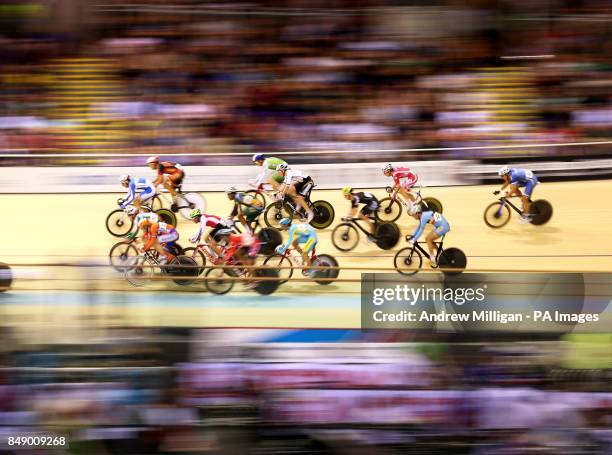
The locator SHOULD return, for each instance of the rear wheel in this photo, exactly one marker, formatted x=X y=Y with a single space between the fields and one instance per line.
x=276 y=212
x=452 y=258
x=497 y=215
x=269 y=238
x=281 y=264
x=266 y=287
x=541 y=212
x=345 y=237
x=6 y=277
x=217 y=281
x=390 y=210
x=387 y=235
x=120 y=255
x=327 y=275
x=431 y=203
x=197 y=256
x=184 y=267
x=166 y=216
x=118 y=223
x=323 y=214
x=407 y=261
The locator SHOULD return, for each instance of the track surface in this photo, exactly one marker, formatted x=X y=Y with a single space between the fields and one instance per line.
x=44 y=229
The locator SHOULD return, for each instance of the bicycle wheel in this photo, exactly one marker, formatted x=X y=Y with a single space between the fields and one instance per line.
x=118 y=223
x=276 y=212
x=431 y=203
x=325 y=276
x=257 y=195
x=167 y=216
x=269 y=238
x=120 y=254
x=323 y=214
x=266 y=287
x=281 y=264
x=452 y=258
x=345 y=237
x=387 y=235
x=541 y=212
x=197 y=256
x=407 y=261
x=157 y=204
x=389 y=210
x=6 y=277
x=190 y=202
x=184 y=267
x=217 y=281
x=139 y=271
x=497 y=215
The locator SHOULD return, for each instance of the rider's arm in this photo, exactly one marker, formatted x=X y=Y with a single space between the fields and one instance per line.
x=262 y=177
x=289 y=241
x=130 y=195
x=152 y=238
x=421 y=227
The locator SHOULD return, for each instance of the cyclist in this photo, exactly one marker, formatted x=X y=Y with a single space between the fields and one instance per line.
x=160 y=236
x=246 y=207
x=517 y=178
x=243 y=247
x=302 y=233
x=140 y=190
x=298 y=185
x=371 y=206
x=441 y=227
x=220 y=229
x=404 y=178
x=268 y=173
x=169 y=174
x=139 y=215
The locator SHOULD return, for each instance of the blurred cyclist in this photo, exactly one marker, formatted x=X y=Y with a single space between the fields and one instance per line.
x=404 y=179
x=161 y=237
x=517 y=178
x=298 y=185
x=301 y=233
x=268 y=173
x=243 y=248
x=138 y=216
x=368 y=211
x=219 y=229
x=440 y=224
x=169 y=174
x=140 y=190
x=246 y=207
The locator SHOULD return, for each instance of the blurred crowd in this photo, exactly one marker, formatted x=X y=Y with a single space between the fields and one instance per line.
x=353 y=76
x=155 y=391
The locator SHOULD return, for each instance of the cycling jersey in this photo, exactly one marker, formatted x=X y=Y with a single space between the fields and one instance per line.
x=405 y=177
x=162 y=232
x=370 y=201
x=151 y=216
x=304 y=234
x=141 y=187
x=252 y=207
x=174 y=171
x=293 y=177
x=441 y=226
x=245 y=240
x=269 y=170
x=523 y=178
x=210 y=221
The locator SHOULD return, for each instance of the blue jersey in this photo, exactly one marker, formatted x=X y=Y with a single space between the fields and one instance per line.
x=138 y=186
x=302 y=232
x=441 y=226
x=521 y=176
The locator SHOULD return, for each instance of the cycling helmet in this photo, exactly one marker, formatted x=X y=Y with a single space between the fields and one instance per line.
x=195 y=213
x=231 y=190
x=282 y=167
x=153 y=159
x=124 y=178
x=131 y=210
x=285 y=222
x=416 y=208
x=388 y=167
x=503 y=171
x=347 y=190
x=258 y=157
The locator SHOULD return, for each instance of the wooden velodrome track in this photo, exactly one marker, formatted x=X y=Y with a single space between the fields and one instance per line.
x=52 y=228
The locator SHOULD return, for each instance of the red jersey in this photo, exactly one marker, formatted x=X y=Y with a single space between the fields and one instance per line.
x=170 y=168
x=404 y=176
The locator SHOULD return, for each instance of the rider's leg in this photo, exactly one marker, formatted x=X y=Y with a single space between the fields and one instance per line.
x=407 y=194
x=300 y=200
x=370 y=222
x=526 y=197
x=170 y=185
x=432 y=247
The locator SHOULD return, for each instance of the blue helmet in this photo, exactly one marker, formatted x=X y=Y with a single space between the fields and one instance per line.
x=258 y=157
x=285 y=222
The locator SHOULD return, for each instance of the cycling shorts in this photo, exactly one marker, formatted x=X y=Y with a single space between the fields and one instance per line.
x=442 y=229
x=304 y=187
x=370 y=209
x=176 y=178
x=309 y=245
x=251 y=213
x=147 y=194
x=407 y=182
x=529 y=185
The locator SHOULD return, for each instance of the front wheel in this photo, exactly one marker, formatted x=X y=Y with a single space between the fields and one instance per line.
x=189 y=202
x=497 y=215
x=283 y=266
x=197 y=256
x=269 y=286
x=541 y=212
x=276 y=212
x=431 y=203
x=323 y=214
x=345 y=237
x=325 y=276
x=120 y=254
x=407 y=261
x=217 y=281
x=389 y=210
x=118 y=223
x=454 y=259
x=184 y=267
x=139 y=271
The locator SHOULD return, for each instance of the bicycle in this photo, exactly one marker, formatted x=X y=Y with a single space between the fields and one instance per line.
x=345 y=236
x=119 y=223
x=141 y=268
x=217 y=282
x=408 y=261
x=497 y=214
x=323 y=212
x=121 y=253
x=391 y=207
x=284 y=264
x=186 y=202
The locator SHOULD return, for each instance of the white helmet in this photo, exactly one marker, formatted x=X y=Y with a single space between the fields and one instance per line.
x=416 y=208
x=231 y=189
x=124 y=178
x=387 y=167
x=131 y=210
x=503 y=171
x=282 y=167
x=153 y=159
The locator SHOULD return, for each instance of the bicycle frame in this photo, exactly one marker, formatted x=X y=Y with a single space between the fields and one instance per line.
x=355 y=222
x=439 y=248
x=398 y=196
x=504 y=201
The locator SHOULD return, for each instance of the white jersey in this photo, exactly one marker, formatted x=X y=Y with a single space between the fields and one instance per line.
x=151 y=216
x=292 y=177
